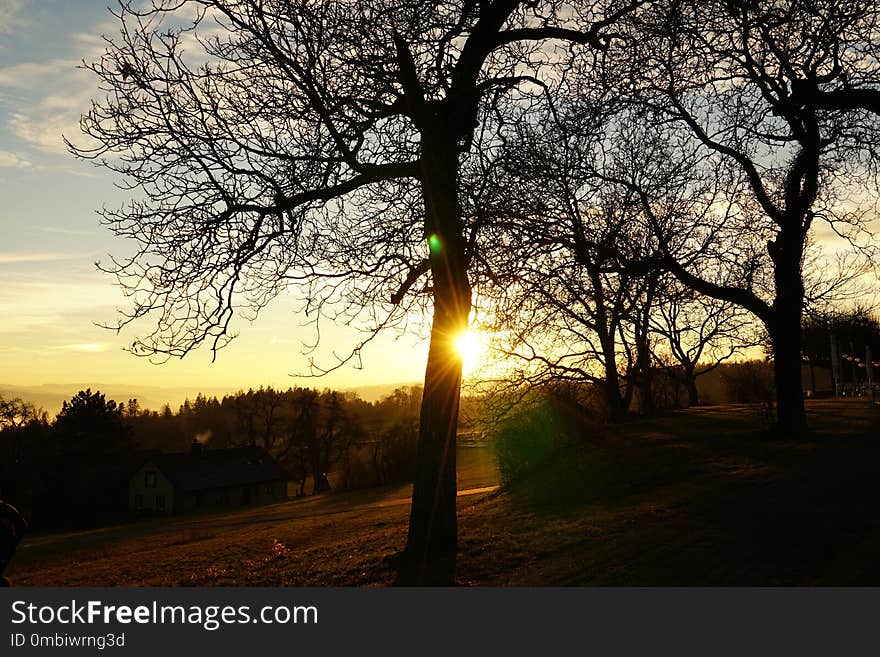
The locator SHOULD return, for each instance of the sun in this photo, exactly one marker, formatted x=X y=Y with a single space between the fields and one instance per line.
x=469 y=348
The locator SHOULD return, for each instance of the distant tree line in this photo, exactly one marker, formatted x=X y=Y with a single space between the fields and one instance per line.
x=73 y=470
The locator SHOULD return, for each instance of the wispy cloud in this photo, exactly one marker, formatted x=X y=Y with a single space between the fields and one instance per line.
x=35 y=75
x=87 y=347
x=92 y=44
x=55 y=230
x=12 y=15
x=55 y=308
x=48 y=101
x=44 y=125
x=14 y=258
x=11 y=160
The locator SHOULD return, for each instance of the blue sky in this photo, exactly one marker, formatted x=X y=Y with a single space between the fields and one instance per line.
x=51 y=294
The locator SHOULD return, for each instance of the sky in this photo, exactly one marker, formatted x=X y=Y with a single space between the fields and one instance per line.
x=52 y=295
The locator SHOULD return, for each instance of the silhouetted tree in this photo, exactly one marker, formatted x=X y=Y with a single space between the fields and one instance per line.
x=15 y=413
x=89 y=462
x=568 y=305
x=337 y=434
x=92 y=423
x=782 y=97
x=132 y=408
x=25 y=452
x=318 y=143
x=396 y=437
x=258 y=416
x=699 y=333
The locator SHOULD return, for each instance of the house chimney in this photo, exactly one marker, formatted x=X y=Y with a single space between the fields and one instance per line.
x=196 y=448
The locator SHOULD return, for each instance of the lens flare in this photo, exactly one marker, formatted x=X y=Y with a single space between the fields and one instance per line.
x=435 y=243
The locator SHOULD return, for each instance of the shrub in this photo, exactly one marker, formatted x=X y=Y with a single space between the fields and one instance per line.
x=750 y=382
x=531 y=436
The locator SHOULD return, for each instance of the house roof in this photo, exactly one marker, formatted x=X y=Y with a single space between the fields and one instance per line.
x=219 y=468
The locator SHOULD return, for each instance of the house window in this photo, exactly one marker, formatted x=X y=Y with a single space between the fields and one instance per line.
x=138 y=501
x=160 y=502
x=149 y=480
x=268 y=489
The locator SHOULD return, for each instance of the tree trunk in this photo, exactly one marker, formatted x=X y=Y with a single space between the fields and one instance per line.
x=791 y=419
x=377 y=469
x=429 y=558
x=693 y=392
x=616 y=406
x=433 y=532
x=646 y=392
x=645 y=373
x=785 y=332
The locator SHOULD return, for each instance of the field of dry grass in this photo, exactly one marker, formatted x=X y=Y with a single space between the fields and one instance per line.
x=702 y=496
x=329 y=539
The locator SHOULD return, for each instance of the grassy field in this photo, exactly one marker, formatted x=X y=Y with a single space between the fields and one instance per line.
x=702 y=496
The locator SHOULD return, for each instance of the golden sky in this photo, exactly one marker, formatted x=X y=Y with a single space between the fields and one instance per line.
x=52 y=296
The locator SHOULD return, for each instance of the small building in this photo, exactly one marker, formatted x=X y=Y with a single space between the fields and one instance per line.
x=204 y=478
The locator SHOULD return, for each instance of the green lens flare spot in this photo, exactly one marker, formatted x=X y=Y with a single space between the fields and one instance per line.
x=435 y=243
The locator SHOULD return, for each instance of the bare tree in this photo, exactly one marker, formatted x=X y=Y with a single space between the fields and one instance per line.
x=570 y=310
x=16 y=416
x=259 y=416
x=559 y=300
x=699 y=333
x=316 y=143
x=581 y=281
x=782 y=96
x=16 y=413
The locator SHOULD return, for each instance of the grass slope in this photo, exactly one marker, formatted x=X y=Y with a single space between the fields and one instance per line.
x=698 y=497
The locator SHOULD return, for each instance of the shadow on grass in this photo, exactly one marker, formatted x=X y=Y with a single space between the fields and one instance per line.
x=708 y=496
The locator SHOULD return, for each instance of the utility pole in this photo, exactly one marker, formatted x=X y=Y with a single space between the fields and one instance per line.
x=835 y=365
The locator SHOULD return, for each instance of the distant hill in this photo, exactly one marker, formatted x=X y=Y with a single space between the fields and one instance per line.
x=50 y=396
x=376 y=392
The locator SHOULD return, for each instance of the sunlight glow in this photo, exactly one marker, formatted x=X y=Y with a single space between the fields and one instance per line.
x=470 y=348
